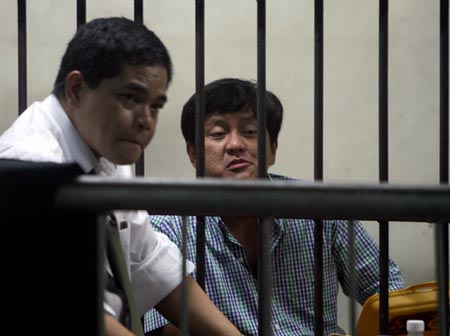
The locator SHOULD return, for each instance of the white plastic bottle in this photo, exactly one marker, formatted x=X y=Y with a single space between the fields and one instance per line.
x=415 y=327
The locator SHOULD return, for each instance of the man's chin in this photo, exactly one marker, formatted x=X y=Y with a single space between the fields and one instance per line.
x=125 y=160
x=240 y=175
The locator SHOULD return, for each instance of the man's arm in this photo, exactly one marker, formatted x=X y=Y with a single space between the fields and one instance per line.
x=204 y=317
x=167 y=330
x=114 y=327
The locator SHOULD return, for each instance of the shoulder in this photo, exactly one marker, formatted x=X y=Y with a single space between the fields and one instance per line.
x=41 y=147
x=277 y=177
x=169 y=225
x=166 y=223
x=32 y=137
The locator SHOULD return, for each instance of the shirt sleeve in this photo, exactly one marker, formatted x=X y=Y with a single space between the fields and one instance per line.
x=154 y=320
x=367 y=262
x=155 y=262
x=169 y=226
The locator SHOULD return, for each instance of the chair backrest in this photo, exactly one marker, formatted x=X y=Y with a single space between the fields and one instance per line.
x=50 y=257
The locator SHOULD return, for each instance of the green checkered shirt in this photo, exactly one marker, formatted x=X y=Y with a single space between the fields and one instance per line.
x=232 y=287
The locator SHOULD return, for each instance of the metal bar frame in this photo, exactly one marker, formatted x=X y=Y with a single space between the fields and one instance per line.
x=184 y=316
x=139 y=18
x=389 y=201
x=22 y=53
x=383 y=160
x=318 y=163
x=81 y=12
x=265 y=223
x=200 y=129
x=353 y=289
x=264 y=198
x=441 y=229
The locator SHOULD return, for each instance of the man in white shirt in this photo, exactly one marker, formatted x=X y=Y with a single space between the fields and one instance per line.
x=101 y=115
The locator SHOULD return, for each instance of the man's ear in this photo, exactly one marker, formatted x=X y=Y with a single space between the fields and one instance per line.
x=191 y=153
x=273 y=153
x=74 y=83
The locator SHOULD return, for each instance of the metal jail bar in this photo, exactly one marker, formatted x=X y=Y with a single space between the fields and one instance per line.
x=22 y=56
x=441 y=229
x=318 y=162
x=264 y=199
x=264 y=272
x=383 y=160
x=199 y=128
x=81 y=12
x=139 y=17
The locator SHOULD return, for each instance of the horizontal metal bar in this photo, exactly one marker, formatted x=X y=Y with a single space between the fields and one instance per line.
x=259 y=197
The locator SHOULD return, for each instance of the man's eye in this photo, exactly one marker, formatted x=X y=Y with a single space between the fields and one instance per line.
x=217 y=134
x=251 y=132
x=155 y=110
x=130 y=98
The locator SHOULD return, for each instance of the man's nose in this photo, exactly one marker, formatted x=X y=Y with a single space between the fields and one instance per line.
x=235 y=142
x=144 y=118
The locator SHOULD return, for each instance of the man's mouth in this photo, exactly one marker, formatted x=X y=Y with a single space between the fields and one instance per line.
x=238 y=164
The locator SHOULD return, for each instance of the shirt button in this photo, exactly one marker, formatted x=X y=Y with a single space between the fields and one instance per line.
x=241 y=260
x=277 y=327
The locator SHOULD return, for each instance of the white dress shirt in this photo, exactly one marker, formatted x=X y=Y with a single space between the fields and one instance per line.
x=44 y=133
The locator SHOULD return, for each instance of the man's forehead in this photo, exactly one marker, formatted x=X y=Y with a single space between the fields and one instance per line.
x=245 y=115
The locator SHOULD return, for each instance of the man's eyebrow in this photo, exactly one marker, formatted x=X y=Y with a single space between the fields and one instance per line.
x=162 y=99
x=249 y=118
x=135 y=87
x=215 y=120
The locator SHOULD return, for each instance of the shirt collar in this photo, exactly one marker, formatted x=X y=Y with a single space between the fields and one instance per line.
x=228 y=238
x=78 y=149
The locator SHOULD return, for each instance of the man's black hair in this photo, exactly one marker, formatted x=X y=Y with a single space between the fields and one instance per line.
x=232 y=95
x=101 y=47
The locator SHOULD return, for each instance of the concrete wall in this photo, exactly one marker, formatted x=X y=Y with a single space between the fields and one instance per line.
x=350 y=87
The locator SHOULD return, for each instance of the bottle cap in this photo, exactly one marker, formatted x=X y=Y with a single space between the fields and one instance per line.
x=415 y=325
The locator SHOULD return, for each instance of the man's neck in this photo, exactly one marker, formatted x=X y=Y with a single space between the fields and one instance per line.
x=245 y=230
x=241 y=226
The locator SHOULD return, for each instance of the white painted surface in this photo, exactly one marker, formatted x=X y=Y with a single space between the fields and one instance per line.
x=350 y=87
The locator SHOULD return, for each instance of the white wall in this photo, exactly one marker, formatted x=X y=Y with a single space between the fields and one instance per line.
x=350 y=87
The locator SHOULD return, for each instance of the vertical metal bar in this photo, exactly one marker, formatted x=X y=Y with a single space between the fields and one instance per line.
x=442 y=260
x=318 y=278
x=444 y=91
x=384 y=277
x=441 y=230
x=265 y=277
x=200 y=257
x=383 y=161
x=200 y=128
x=265 y=224
x=139 y=11
x=318 y=90
x=318 y=163
x=352 y=309
x=383 y=91
x=261 y=93
x=139 y=18
x=81 y=12
x=184 y=323
x=22 y=53
x=199 y=86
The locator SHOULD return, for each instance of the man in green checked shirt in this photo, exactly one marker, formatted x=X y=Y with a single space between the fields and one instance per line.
x=231 y=151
